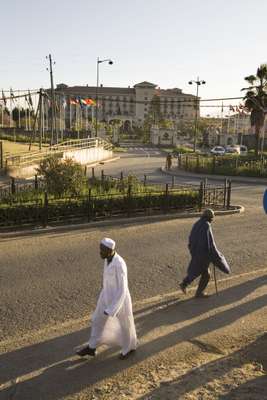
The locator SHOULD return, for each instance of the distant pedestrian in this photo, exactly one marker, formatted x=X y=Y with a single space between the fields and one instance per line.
x=112 y=321
x=168 y=161
x=203 y=251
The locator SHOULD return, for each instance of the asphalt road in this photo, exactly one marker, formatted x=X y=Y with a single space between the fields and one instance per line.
x=50 y=278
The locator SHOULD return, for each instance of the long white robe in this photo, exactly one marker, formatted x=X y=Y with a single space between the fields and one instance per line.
x=118 y=327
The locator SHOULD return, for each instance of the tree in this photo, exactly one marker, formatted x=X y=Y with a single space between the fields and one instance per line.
x=17 y=114
x=62 y=176
x=256 y=101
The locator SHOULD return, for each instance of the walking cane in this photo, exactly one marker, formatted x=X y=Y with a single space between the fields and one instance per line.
x=215 y=280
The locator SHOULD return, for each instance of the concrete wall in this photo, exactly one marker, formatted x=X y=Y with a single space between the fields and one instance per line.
x=82 y=156
x=87 y=156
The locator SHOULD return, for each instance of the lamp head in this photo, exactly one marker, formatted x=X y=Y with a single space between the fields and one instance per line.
x=190 y=82
x=110 y=62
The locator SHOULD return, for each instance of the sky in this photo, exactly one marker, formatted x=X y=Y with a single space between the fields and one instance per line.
x=166 y=42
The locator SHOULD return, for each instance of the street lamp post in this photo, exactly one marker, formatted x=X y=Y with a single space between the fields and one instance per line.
x=97 y=85
x=198 y=83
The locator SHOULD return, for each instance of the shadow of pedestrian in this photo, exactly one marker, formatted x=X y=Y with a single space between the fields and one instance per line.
x=190 y=308
x=53 y=373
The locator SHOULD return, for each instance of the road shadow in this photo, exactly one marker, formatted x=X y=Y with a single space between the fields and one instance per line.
x=192 y=307
x=255 y=352
x=56 y=373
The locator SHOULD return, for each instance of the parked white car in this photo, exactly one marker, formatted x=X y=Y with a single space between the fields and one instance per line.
x=237 y=149
x=243 y=150
x=232 y=149
x=218 y=151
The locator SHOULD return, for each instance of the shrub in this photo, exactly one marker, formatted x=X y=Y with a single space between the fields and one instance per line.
x=62 y=177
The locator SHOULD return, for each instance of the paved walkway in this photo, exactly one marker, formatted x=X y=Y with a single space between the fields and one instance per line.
x=189 y=349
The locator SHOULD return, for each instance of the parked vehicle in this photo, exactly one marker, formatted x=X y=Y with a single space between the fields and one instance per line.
x=243 y=150
x=237 y=149
x=232 y=149
x=218 y=151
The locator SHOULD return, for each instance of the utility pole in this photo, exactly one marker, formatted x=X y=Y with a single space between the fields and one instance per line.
x=53 y=102
x=110 y=62
x=1 y=155
x=41 y=119
x=198 y=83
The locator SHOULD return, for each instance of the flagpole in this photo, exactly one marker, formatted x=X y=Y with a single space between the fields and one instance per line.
x=77 y=120
x=26 y=118
x=63 y=117
x=10 y=112
x=222 y=118
x=70 y=114
x=60 y=116
x=19 y=115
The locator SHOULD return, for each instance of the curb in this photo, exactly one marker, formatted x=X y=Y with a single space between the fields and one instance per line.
x=114 y=222
x=103 y=162
x=184 y=174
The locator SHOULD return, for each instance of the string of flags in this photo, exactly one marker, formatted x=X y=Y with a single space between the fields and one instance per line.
x=82 y=102
x=240 y=109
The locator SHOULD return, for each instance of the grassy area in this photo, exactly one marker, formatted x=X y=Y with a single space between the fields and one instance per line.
x=16 y=147
x=118 y=149
x=177 y=149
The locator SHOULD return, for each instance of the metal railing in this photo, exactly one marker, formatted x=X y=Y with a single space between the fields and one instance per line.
x=225 y=165
x=28 y=158
x=127 y=200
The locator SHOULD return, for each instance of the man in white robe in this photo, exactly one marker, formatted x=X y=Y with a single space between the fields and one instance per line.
x=112 y=321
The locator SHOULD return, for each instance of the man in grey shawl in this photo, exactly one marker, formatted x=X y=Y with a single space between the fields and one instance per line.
x=203 y=251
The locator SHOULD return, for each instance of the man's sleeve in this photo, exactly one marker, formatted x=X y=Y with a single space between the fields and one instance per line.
x=120 y=294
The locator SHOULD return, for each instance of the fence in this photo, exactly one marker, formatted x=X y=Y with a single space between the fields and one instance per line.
x=28 y=158
x=226 y=165
x=154 y=199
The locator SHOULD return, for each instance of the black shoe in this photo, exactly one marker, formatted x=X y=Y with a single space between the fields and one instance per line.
x=86 y=351
x=182 y=287
x=125 y=356
x=202 y=295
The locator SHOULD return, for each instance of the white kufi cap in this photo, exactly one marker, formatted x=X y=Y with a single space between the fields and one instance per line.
x=109 y=243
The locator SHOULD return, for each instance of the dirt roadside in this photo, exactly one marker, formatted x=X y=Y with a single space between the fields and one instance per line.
x=189 y=349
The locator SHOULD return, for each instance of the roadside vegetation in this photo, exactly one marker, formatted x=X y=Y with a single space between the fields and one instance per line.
x=232 y=165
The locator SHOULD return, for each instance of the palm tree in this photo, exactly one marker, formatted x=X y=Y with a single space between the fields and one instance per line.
x=256 y=101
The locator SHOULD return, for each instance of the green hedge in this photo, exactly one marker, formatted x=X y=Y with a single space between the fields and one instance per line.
x=85 y=208
x=225 y=165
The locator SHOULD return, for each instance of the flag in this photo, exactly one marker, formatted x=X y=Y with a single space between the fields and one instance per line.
x=80 y=102
x=4 y=97
x=73 y=101
x=27 y=100
x=231 y=108
x=90 y=102
x=12 y=95
x=30 y=98
x=64 y=103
